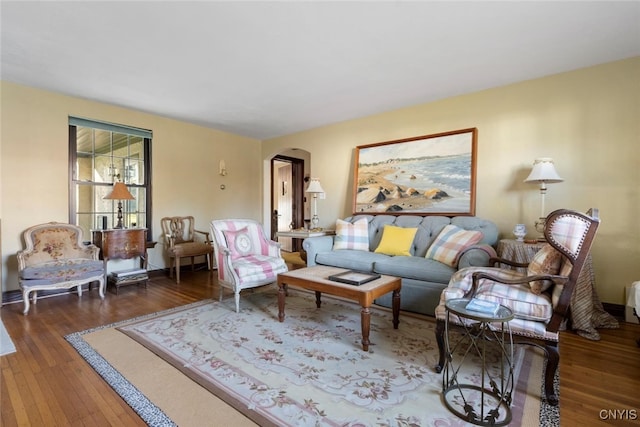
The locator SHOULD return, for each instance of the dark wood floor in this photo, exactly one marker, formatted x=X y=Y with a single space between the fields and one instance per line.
x=46 y=383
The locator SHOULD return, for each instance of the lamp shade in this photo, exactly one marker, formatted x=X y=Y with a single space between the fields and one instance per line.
x=314 y=186
x=543 y=171
x=119 y=192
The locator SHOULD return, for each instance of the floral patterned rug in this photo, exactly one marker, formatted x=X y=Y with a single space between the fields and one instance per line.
x=311 y=370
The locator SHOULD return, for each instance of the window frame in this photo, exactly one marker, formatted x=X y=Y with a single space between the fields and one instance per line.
x=74 y=183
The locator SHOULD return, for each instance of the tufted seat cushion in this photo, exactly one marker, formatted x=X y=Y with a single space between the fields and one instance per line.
x=62 y=270
x=258 y=267
x=519 y=298
x=191 y=249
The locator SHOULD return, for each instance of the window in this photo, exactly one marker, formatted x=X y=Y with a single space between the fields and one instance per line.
x=99 y=155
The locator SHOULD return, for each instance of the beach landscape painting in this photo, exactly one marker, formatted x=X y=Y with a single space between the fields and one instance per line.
x=424 y=175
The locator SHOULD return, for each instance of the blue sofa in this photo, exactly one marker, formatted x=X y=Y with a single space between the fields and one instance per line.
x=423 y=279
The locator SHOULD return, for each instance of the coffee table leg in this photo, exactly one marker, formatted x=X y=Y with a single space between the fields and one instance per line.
x=318 y=302
x=396 y=308
x=365 y=319
x=282 y=290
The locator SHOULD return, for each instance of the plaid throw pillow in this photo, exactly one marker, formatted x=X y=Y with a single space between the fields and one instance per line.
x=352 y=236
x=451 y=242
x=546 y=261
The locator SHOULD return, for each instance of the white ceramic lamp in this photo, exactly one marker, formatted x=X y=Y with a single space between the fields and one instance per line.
x=315 y=189
x=543 y=172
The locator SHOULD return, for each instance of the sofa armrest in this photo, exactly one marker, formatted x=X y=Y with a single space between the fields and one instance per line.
x=315 y=245
x=476 y=256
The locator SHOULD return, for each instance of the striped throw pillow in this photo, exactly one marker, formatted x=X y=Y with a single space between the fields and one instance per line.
x=352 y=236
x=451 y=242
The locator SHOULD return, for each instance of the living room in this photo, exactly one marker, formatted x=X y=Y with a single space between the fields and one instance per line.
x=586 y=119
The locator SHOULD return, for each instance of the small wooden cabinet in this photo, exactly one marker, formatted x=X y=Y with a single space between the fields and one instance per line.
x=122 y=243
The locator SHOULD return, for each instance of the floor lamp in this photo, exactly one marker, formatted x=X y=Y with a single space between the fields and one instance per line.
x=543 y=172
x=119 y=193
x=315 y=189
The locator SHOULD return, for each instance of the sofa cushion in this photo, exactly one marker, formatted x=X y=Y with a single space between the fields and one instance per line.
x=546 y=261
x=352 y=235
x=451 y=242
x=350 y=259
x=417 y=268
x=62 y=271
x=396 y=241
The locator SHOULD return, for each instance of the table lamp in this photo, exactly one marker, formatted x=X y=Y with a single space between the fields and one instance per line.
x=119 y=193
x=543 y=172
x=315 y=188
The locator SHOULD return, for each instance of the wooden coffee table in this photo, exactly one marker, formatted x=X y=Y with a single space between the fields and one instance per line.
x=316 y=279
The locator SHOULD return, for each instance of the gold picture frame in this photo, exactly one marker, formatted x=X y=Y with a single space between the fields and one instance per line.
x=423 y=175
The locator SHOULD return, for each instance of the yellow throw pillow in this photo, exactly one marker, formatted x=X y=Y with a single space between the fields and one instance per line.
x=396 y=240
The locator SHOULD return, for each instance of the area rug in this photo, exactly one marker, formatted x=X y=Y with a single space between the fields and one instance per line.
x=308 y=370
x=6 y=345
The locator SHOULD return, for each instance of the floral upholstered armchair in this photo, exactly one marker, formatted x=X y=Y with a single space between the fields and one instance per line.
x=246 y=258
x=56 y=258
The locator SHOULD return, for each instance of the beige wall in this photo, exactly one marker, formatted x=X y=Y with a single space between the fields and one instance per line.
x=587 y=120
x=34 y=168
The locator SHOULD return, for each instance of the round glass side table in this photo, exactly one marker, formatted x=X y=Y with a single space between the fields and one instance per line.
x=477 y=380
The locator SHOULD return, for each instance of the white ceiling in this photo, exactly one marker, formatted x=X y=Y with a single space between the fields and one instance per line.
x=270 y=68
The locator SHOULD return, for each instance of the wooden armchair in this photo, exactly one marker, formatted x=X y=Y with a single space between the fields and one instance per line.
x=540 y=297
x=56 y=258
x=181 y=241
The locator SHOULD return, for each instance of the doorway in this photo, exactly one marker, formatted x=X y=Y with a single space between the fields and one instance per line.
x=287 y=199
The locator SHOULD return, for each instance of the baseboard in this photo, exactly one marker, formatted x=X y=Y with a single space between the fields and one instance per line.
x=616 y=310
x=15 y=296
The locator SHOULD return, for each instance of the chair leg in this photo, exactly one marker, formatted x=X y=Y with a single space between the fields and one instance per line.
x=440 y=341
x=553 y=359
x=238 y=301
x=193 y=265
x=79 y=288
x=172 y=262
x=178 y=270
x=25 y=298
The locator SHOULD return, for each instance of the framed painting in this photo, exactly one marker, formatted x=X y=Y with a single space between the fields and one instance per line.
x=423 y=175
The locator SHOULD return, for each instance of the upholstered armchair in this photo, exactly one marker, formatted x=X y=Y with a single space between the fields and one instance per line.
x=246 y=258
x=182 y=241
x=540 y=297
x=55 y=257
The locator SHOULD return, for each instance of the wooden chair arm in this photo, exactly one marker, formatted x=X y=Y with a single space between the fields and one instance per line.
x=478 y=275
x=205 y=234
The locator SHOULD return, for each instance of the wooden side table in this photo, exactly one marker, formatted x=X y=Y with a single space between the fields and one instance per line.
x=303 y=234
x=123 y=243
x=513 y=250
x=487 y=402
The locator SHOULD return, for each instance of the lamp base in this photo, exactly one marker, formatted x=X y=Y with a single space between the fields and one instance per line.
x=119 y=224
x=540 y=224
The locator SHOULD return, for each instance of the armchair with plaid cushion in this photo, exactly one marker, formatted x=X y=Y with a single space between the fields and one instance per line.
x=540 y=297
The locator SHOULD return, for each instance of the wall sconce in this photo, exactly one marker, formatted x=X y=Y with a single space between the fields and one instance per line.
x=222 y=168
x=543 y=172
